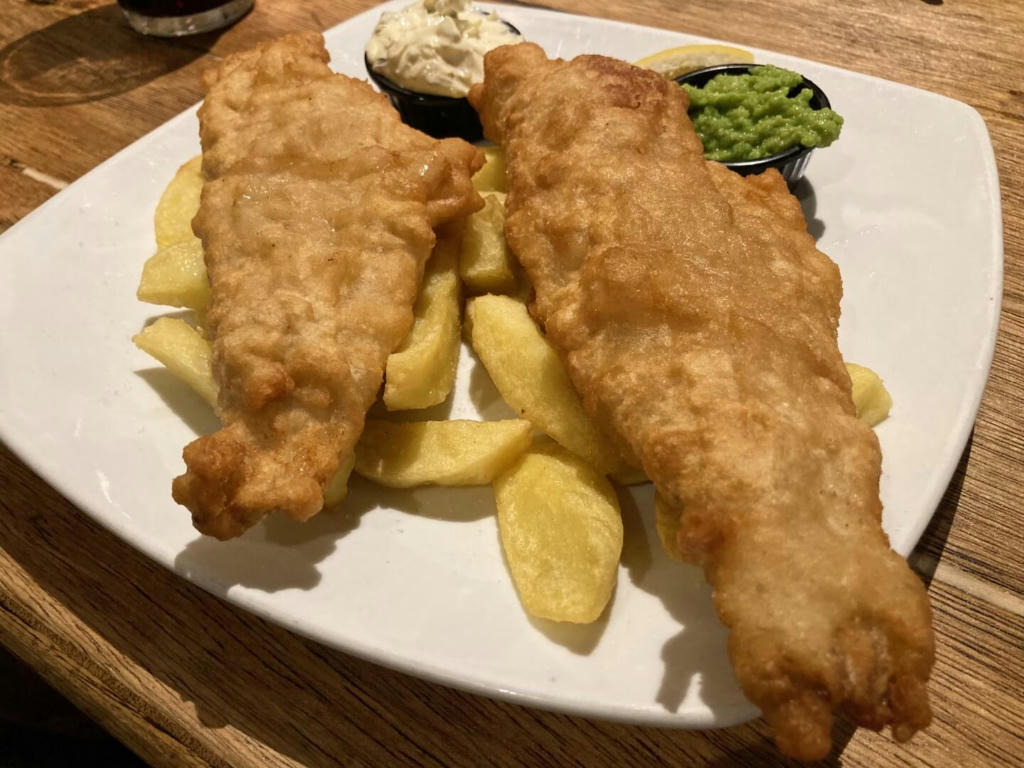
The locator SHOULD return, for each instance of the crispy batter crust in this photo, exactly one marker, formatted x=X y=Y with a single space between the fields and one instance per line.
x=698 y=321
x=316 y=219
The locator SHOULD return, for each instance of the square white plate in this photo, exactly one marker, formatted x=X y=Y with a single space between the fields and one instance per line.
x=907 y=203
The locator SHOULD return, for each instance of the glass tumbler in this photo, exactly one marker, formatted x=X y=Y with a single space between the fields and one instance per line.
x=175 y=18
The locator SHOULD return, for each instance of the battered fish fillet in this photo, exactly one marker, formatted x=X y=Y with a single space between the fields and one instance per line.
x=698 y=322
x=316 y=219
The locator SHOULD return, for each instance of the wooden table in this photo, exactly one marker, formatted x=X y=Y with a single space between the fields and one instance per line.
x=184 y=679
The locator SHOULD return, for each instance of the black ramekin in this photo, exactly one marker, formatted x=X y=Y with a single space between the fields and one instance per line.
x=793 y=162
x=437 y=116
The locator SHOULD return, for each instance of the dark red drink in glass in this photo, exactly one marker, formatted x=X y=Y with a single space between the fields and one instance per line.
x=174 y=18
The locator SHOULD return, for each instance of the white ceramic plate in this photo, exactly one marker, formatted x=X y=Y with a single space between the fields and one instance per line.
x=907 y=203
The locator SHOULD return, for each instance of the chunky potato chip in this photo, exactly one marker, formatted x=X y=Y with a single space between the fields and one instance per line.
x=531 y=378
x=485 y=264
x=421 y=372
x=491 y=177
x=178 y=204
x=870 y=397
x=408 y=454
x=561 y=530
x=176 y=276
x=183 y=350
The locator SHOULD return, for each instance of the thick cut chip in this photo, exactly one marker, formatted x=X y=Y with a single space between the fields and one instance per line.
x=183 y=350
x=870 y=396
x=491 y=178
x=561 y=529
x=486 y=264
x=410 y=454
x=178 y=204
x=532 y=379
x=421 y=372
x=176 y=276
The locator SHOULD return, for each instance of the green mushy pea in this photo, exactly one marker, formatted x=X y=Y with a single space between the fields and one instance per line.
x=751 y=116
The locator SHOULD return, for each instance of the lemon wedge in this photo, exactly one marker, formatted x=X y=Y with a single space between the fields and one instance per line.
x=673 y=62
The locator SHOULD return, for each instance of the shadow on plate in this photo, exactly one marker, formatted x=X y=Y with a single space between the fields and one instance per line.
x=804 y=192
x=581 y=639
x=457 y=505
x=696 y=655
x=278 y=553
x=928 y=552
x=182 y=400
x=88 y=56
x=440 y=412
x=281 y=553
x=292 y=695
x=186 y=404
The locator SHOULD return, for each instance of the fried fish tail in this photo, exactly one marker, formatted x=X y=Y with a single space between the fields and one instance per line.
x=851 y=624
x=698 y=322
x=317 y=217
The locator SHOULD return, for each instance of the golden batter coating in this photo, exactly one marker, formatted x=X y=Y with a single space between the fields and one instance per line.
x=698 y=322
x=316 y=219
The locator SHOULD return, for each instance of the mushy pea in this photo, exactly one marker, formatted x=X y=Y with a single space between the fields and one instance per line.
x=752 y=116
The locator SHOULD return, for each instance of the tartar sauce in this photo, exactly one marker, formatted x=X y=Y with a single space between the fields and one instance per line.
x=436 y=46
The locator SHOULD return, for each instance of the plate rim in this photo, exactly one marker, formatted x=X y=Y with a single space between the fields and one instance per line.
x=124 y=528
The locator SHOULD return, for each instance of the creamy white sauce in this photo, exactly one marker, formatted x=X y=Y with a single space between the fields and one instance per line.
x=436 y=46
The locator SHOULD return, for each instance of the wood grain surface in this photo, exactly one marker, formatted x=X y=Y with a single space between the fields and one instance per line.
x=184 y=679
